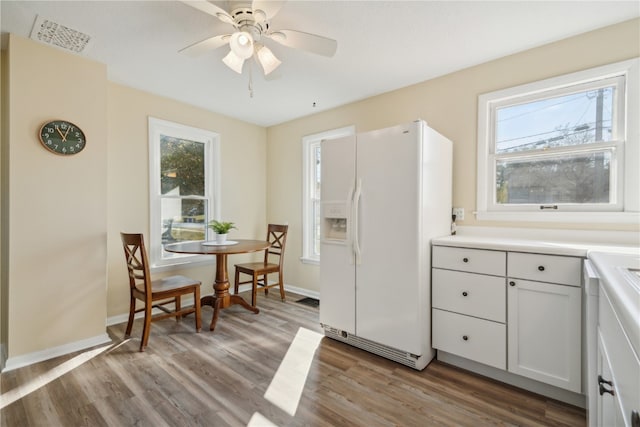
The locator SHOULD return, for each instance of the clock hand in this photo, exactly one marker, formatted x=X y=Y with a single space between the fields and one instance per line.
x=63 y=136
x=66 y=133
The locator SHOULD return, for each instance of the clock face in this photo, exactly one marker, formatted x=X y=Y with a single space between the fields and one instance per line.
x=62 y=137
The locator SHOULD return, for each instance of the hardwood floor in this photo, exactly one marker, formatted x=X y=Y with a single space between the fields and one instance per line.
x=220 y=378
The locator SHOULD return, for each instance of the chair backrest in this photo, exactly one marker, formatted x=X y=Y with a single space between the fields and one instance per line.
x=137 y=262
x=277 y=236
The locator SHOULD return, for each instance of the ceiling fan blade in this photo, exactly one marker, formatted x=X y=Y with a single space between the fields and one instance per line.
x=305 y=41
x=211 y=9
x=206 y=45
x=266 y=9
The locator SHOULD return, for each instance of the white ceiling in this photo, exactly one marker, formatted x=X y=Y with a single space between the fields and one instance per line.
x=382 y=46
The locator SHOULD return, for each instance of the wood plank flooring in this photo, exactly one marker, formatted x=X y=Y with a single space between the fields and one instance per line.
x=220 y=378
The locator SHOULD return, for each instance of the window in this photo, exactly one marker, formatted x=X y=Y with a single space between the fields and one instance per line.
x=311 y=191
x=184 y=185
x=569 y=144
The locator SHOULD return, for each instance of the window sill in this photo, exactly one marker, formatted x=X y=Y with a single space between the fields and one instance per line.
x=201 y=262
x=309 y=261
x=569 y=217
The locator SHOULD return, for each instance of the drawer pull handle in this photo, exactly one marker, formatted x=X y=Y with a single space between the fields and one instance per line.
x=464 y=337
x=603 y=389
x=464 y=294
x=541 y=267
x=465 y=259
x=603 y=381
x=512 y=283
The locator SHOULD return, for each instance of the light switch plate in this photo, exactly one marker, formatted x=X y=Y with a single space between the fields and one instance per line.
x=459 y=213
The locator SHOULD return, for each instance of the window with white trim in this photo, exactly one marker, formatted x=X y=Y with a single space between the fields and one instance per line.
x=184 y=187
x=550 y=149
x=311 y=191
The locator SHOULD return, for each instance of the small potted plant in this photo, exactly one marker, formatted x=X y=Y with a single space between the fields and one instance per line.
x=221 y=228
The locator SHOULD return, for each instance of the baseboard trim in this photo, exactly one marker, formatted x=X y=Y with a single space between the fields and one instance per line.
x=42 y=355
x=302 y=291
x=287 y=288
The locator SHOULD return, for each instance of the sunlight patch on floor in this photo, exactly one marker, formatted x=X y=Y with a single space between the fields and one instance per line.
x=53 y=374
x=287 y=384
x=259 y=420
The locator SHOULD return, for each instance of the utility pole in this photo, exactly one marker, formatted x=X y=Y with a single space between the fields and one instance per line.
x=598 y=167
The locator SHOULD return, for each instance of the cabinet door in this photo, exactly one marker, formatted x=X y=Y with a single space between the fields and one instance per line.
x=544 y=332
x=608 y=411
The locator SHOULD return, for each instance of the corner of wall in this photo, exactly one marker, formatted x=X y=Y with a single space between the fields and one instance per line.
x=4 y=159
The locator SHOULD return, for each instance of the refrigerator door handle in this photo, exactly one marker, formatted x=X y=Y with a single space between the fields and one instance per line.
x=349 y=223
x=354 y=219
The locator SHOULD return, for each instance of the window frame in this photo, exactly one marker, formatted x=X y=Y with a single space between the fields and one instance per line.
x=625 y=149
x=158 y=257
x=309 y=142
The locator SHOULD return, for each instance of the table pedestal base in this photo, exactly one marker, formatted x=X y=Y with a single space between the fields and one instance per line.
x=222 y=298
x=224 y=301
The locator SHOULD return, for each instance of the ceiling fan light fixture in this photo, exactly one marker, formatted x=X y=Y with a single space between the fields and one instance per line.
x=267 y=59
x=241 y=44
x=233 y=61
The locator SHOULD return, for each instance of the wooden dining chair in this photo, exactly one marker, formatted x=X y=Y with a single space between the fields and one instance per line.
x=272 y=263
x=155 y=293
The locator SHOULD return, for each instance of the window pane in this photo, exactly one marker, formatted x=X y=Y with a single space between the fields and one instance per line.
x=183 y=219
x=181 y=167
x=578 y=118
x=580 y=178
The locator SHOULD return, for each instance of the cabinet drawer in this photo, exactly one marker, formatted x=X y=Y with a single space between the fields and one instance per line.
x=471 y=260
x=545 y=268
x=485 y=341
x=476 y=295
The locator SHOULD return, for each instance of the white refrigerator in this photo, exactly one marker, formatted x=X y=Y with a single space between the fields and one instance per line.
x=385 y=194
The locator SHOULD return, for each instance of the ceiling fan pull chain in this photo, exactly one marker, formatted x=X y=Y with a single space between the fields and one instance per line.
x=250 y=81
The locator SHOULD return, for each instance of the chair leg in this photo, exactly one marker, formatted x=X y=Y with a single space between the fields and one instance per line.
x=235 y=282
x=196 y=303
x=266 y=289
x=178 y=307
x=254 y=290
x=147 y=327
x=280 y=282
x=132 y=312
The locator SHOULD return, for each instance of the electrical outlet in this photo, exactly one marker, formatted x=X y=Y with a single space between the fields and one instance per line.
x=459 y=213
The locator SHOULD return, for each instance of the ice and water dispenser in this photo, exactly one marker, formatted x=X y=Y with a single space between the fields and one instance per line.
x=334 y=222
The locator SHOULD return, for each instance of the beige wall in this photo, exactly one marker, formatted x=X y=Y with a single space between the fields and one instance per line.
x=66 y=272
x=4 y=137
x=57 y=214
x=449 y=105
x=243 y=160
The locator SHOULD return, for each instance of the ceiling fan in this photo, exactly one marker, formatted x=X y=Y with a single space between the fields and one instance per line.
x=251 y=23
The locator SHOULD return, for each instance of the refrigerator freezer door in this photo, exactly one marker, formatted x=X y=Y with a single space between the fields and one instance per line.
x=389 y=288
x=337 y=271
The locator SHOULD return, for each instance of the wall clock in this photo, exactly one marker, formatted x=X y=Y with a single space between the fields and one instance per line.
x=62 y=137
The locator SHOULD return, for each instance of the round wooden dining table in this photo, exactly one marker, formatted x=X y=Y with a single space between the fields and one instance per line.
x=221 y=297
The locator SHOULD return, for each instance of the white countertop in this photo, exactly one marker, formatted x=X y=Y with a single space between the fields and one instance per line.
x=567 y=248
x=622 y=288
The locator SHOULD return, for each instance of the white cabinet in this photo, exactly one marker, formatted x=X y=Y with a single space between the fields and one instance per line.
x=519 y=312
x=544 y=318
x=544 y=332
x=608 y=412
x=618 y=369
x=469 y=306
